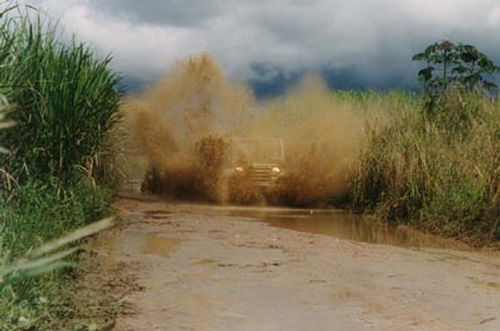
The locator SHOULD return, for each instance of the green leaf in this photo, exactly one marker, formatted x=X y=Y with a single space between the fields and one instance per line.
x=425 y=74
x=437 y=58
x=33 y=265
x=419 y=57
x=74 y=236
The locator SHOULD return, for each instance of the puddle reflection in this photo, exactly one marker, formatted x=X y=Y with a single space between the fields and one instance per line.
x=350 y=226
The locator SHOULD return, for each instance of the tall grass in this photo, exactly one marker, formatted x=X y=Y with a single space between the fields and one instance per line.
x=66 y=100
x=440 y=172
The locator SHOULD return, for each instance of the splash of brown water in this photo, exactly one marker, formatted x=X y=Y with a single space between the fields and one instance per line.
x=321 y=135
x=179 y=125
x=183 y=125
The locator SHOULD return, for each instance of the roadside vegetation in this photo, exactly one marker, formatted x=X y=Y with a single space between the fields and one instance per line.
x=60 y=106
x=437 y=166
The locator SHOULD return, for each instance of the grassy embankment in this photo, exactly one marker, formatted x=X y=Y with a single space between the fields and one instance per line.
x=55 y=177
x=437 y=171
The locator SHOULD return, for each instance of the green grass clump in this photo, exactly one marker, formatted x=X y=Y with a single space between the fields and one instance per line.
x=33 y=216
x=66 y=101
x=36 y=212
x=439 y=171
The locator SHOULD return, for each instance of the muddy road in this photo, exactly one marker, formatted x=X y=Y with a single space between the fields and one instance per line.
x=214 y=268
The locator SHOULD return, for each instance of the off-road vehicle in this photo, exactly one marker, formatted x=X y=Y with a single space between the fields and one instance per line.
x=259 y=160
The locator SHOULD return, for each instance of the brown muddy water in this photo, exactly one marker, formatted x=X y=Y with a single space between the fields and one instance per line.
x=345 y=225
x=335 y=223
x=152 y=243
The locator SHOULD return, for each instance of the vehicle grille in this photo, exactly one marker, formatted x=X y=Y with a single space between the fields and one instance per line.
x=261 y=174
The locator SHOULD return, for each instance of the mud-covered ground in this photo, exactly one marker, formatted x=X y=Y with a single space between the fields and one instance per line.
x=197 y=268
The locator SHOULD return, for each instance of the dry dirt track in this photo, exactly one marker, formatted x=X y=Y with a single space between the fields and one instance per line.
x=201 y=270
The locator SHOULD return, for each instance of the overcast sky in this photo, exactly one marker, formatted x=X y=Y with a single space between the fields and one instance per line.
x=373 y=39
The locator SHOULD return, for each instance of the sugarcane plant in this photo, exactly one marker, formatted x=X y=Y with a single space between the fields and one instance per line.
x=66 y=99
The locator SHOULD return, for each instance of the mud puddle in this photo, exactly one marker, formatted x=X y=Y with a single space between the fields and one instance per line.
x=152 y=243
x=158 y=245
x=345 y=225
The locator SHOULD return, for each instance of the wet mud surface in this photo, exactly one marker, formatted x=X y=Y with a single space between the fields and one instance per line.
x=229 y=268
x=344 y=225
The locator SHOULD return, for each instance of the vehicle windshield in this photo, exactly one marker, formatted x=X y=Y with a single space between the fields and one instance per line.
x=258 y=150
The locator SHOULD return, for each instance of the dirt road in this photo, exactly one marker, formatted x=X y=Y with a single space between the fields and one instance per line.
x=201 y=269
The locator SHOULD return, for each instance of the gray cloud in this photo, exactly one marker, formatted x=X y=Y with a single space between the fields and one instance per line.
x=376 y=37
x=184 y=13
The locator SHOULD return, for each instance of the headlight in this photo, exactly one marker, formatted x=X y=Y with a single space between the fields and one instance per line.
x=239 y=169
x=276 y=170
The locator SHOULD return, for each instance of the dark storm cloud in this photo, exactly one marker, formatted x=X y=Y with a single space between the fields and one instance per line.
x=356 y=42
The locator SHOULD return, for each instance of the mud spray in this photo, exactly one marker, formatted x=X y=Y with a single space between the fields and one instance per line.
x=183 y=127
